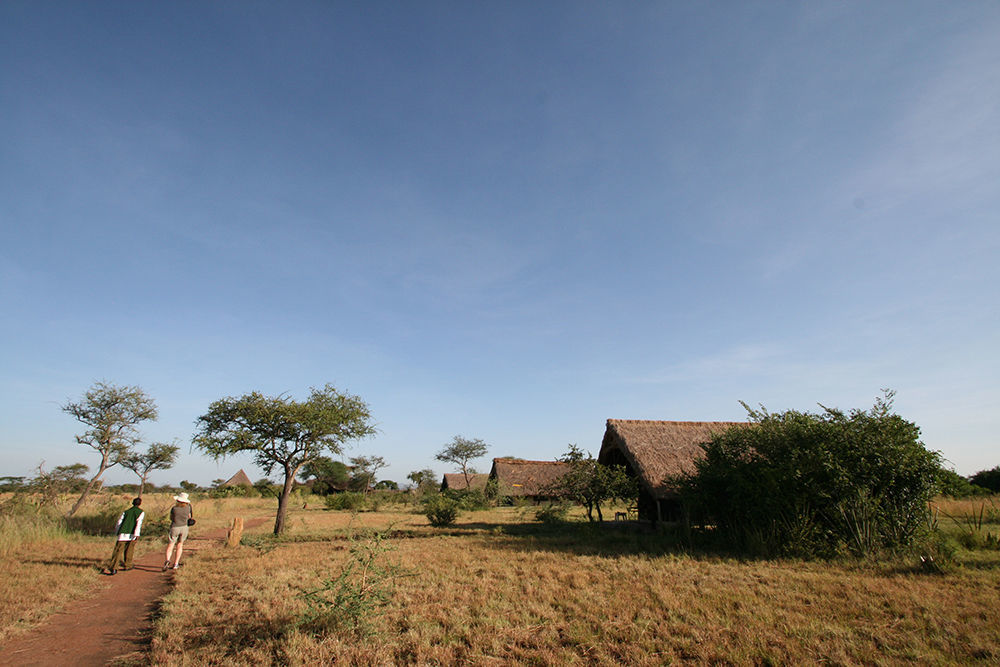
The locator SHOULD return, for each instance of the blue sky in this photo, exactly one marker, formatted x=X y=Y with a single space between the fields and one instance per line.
x=509 y=221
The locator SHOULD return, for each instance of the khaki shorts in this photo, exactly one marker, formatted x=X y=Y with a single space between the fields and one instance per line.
x=178 y=532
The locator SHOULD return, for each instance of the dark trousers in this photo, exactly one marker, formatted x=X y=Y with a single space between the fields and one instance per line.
x=124 y=550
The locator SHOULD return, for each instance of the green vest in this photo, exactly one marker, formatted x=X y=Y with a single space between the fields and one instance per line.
x=131 y=517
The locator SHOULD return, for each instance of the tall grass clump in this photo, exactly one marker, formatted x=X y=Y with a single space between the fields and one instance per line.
x=23 y=521
x=974 y=525
x=815 y=485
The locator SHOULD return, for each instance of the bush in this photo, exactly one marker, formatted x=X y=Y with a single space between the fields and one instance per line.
x=816 y=484
x=348 y=605
x=348 y=500
x=988 y=479
x=469 y=500
x=441 y=510
x=554 y=513
x=950 y=483
x=232 y=492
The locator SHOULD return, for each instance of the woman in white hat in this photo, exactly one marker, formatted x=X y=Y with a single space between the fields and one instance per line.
x=180 y=518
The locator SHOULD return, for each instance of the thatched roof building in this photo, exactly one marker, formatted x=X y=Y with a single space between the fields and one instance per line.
x=239 y=479
x=532 y=479
x=654 y=451
x=456 y=480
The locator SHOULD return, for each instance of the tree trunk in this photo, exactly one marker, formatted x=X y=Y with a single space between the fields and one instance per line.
x=142 y=485
x=286 y=491
x=86 y=489
x=600 y=517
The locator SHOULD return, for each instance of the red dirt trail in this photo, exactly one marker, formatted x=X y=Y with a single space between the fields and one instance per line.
x=115 y=623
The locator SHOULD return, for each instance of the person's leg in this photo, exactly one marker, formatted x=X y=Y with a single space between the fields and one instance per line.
x=183 y=530
x=129 y=554
x=174 y=534
x=115 y=555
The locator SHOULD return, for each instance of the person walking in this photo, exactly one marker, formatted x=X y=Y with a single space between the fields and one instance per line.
x=127 y=532
x=181 y=516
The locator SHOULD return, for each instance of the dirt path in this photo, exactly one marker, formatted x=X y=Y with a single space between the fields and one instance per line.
x=114 y=624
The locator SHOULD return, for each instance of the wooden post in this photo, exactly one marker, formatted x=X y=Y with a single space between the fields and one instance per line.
x=235 y=532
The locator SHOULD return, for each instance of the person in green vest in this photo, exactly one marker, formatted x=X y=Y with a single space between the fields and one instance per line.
x=127 y=531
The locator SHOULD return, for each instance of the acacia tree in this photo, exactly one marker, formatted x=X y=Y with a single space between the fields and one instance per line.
x=327 y=475
x=113 y=414
x=283 y=433
x=61 y=479
x=365 y=469
x=159 y=456
x=460 y=451
x=591 y=484
x=422 y=478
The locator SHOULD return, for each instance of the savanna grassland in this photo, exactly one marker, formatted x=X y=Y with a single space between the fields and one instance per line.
x=499 y=587
x=47 y=561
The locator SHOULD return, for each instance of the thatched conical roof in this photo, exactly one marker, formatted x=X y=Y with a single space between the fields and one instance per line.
x=456 y=480
x=657 y=450
x=239 y=479
x=517 y=477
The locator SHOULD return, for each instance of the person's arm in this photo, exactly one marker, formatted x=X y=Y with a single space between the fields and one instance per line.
x=119 y=524
x=138 y=525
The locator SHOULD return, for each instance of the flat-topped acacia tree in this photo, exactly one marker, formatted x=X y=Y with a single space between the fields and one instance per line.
x=281 y=432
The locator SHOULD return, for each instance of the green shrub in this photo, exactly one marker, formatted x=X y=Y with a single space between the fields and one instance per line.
x=470 y=500
x=816 y=484
x=988 y=479
x=441 y=510
x=348 y=604
x=554 y=513
x=950 y=483
x=348 y=500
x=232 y=492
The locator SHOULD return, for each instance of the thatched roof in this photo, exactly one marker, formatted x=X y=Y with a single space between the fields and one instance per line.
x=239 y=479
x=657 y=450
x=517 y=477
x=456 y=480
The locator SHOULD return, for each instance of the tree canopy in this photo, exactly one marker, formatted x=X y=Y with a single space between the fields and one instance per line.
x=327 y=474
x=113 y=415
x=283 y=433
x=592 y=484
x=422 y=478
x=365 y=468
x=159 y=456
x=988 y=479
x=460 y=451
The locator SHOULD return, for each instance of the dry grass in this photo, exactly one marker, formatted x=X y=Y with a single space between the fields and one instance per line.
x=45 y=562
x=499 y=589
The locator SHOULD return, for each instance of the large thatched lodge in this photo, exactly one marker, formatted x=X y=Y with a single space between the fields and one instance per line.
x=456 y=481
x=518 y=478
x=653 y=452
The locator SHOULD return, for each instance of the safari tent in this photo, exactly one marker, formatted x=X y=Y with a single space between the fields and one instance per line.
x=653 y=452
x=526 y=479
x=239 y=479
x=456 y=480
